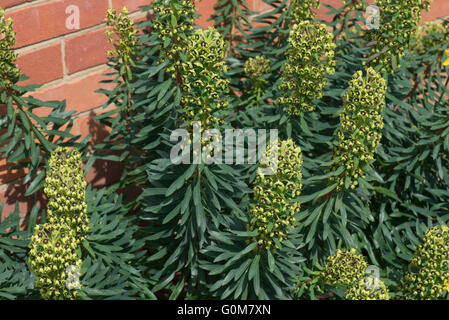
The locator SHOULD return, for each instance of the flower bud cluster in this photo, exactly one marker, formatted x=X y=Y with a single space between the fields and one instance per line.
x=398 y=24
x=302 y=9
x=429 y=268
x=276 y=195
x=368 y=289
x=310 y=56
x=173 y=22
x=355 y=4
x=53 y=256
x=65 y=187
x=256 y=67
x=345 y=267
x=123 y=28
x=9 y=73
x=203 y=85
x=52 y=259
x=361 y=126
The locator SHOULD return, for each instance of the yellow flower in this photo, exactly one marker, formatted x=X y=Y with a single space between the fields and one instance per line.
x=446 y=63
x=447 y=283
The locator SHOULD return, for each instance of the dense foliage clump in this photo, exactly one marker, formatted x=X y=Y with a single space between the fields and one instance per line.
x=342 y=166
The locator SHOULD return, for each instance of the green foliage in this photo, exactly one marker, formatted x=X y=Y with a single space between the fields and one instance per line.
x=28 y=138
x=363 y=164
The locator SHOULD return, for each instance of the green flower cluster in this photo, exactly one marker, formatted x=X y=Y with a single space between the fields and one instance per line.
x=302 y=9
x=368 y=289
x=361 y=127
x=203 y=86
x=345 y=267
x=65 y=187
x=9 y=73
x=398 y=24
x=123 y=28
x=429 y=268
x=53 y=259
x=355 y=4
x=173 y=22
x=256 y=67
x=310 y=56
x=275 y=195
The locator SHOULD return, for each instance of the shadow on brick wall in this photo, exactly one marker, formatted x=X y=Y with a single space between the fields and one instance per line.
x=103 y=173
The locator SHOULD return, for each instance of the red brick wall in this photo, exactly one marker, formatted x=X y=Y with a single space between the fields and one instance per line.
x=70 y=63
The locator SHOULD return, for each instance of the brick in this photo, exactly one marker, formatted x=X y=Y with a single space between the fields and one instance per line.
x=7 y=175
x=438 y=9
x=259 y=5
x=88 y=125
x=48 y=20
x=15 y=192
x=79 y=93
x=86 y=50
x=102 y=172
x=10 y=3
x=205 y=9
x=42 y=65
x=132 y=5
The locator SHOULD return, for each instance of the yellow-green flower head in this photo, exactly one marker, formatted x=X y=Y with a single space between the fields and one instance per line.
x=172 y=35
x=355 y=4
x=368 y=289
x=361 y=126
x=275 y=196
x=256 y=67
x=203 y=85
x=123 y=28
x=302 y=9
x=345 y=267
x=65 y=187
x=429 y=268
x=9 y=73
x=52 y=259
x=399 y=21
x=310 y=57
